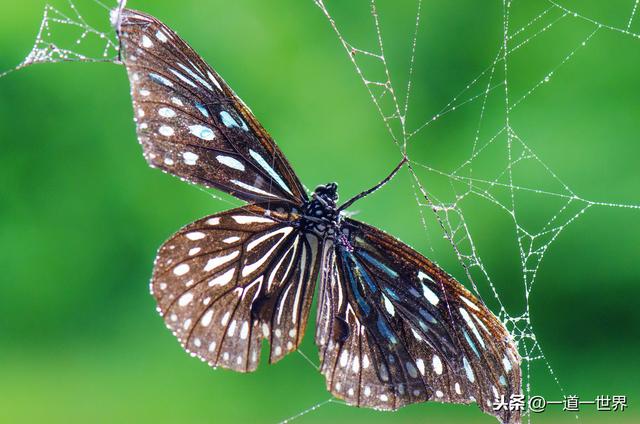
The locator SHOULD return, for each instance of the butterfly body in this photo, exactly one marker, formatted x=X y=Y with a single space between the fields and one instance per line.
x=320 y=214
x=392 y=327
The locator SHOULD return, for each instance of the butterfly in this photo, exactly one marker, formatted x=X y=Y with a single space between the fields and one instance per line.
x=392 y=327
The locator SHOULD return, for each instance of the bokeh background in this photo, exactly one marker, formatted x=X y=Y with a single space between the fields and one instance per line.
x=81 y=214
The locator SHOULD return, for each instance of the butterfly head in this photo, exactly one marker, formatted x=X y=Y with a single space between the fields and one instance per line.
x=327 y=193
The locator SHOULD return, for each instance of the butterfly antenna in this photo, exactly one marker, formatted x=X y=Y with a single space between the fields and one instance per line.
x=374 y=188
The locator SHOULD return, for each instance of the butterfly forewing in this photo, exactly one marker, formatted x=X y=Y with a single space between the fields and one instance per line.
x=394 y=329
x=225 y=282
x=191 y=124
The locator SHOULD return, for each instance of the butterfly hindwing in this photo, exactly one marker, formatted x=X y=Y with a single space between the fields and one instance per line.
x=225 y=282
x=394 y=329
x=191 y=124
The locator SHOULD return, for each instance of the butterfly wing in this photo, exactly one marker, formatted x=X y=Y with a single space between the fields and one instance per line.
x=225 y=282
x=191 y=124
x=394 y=329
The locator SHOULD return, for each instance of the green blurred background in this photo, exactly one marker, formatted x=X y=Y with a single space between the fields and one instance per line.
x=81 y=214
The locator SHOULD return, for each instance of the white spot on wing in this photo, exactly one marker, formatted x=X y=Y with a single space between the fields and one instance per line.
x=213 y=263
x=437 y=364
x=472 y=326
x=222 y=279
x=160 y=36
x=206 y=318
x=426 y=291
x=388 y=306
x=254 y=243
x=263 y=163
x=185 y=299
x=181 y=269
x=344 y=358
x=356 y=364
x=202 y=110
x=166 y=130
x=230 y=162
x=166 y=112
x=195 y=235
x=248 y=269
x=196 y=76
x=251 y=219
x=468 y=370
x=232 y=329
x=202 y=132
x=469 y=303
x=214 y=80
x=506 y=363
x=146 y=42
x=190 y=158
x=230 y=122
x=251 y=188
x=183 y=78
x=244 y=331
x=429 y=294
x=160 y=79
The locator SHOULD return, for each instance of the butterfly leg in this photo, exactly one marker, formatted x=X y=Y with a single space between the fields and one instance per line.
x=376 y=187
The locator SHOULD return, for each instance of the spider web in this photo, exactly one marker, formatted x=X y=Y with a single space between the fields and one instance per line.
x=67 y=36
x=502 y=189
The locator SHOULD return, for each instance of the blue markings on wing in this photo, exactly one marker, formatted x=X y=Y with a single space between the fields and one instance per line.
x=356 y=271
x=362 y=272
x=473 y=346
x=392 y=293
x=366 y=309
x=160 y=79
x=424 y=327
x=373 y=261
x=428 y=316
x=386 y=331
x=229 y=122
x=202 y=109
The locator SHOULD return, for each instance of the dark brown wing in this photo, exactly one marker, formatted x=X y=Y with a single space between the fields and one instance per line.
x=191 y=124
x=225 y=282
x=394 y=329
